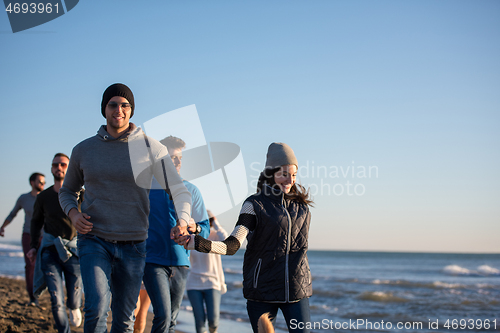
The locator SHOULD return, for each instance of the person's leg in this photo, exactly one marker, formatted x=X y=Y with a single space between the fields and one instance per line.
x=196 y=299
x=257 y=309
x=29 y=267
x=95 y=264
x=126 y=277
x=74 y=290
x=157 y=282
x=73 y=279
x=299 y=312
x=52 y=272
x=141 y=311
x=212 y=299
x=177 y=287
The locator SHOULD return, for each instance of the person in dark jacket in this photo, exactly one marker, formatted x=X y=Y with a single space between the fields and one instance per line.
x=57 y=253
x=275 y=220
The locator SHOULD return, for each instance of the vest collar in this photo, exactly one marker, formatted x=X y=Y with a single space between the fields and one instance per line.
x=272 y=193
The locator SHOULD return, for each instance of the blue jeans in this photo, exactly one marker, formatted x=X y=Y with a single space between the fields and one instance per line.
x=299 y=311
x=53 y=268
x=110 y=269
x=211 y=297
x=165 y=286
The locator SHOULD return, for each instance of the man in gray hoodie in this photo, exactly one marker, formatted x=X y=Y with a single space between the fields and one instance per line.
x=116 y=166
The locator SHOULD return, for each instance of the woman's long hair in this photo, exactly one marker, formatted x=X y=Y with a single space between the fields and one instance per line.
x=297 y=192
x=264 y=324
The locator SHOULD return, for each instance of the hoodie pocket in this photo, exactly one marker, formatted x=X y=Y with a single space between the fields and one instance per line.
x=123 y=216
x=256 y=273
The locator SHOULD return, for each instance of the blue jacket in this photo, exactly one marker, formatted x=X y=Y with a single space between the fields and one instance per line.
x=162 y=250
x=65 y=248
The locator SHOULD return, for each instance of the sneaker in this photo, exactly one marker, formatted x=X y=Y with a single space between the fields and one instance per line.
x=75 y=317
x=34 y=302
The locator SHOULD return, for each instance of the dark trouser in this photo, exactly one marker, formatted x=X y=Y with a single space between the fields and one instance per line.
x=29 y=268
x=296 y=314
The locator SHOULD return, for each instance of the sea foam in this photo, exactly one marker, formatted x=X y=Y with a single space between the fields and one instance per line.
x=480 y=270
x=487 y=270
x=9 y=247
x=456 y=270
x=440 y=284
x=380 y=296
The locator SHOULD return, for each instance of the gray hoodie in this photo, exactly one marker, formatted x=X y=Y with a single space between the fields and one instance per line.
x=117 y=176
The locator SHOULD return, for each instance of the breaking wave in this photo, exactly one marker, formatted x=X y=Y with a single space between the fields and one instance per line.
x=483 y=270
x=380 y=296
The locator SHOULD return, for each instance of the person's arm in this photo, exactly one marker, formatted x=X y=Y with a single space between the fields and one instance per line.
x=80 y=221
x=2 y=228
x=199 y=213
x=167 y=176
x=246 y=223
x=11 y=216
x=37 y=221
x=69 y=195
x=73 y=183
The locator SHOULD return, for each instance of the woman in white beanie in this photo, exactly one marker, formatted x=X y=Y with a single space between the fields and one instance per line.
x=276 y=220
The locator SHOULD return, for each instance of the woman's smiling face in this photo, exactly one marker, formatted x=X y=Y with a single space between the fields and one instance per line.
x=285 y=177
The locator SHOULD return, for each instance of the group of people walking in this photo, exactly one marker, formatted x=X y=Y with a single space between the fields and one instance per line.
x=96 y=237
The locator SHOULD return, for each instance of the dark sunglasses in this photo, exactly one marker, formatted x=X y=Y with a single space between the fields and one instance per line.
x=124 y=106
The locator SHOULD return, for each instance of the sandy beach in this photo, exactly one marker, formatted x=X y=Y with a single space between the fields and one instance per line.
x=17 y=316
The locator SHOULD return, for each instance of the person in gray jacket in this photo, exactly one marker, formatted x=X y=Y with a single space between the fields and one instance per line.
x=27 y=201
x=116 y=167
x=276 y=219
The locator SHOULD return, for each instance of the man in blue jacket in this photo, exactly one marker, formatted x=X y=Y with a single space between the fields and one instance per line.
x=167 y=263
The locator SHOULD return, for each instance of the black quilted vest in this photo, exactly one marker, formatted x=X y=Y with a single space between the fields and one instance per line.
x=275 y=268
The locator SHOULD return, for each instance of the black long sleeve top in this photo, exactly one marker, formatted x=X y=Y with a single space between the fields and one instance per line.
x=48 y=214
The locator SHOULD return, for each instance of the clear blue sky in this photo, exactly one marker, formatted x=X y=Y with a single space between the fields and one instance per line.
x=410 y=88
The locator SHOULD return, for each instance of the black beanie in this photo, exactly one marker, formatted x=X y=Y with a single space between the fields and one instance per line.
x=117 y=89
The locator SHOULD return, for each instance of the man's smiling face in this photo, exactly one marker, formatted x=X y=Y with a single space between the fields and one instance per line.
x=118 y=117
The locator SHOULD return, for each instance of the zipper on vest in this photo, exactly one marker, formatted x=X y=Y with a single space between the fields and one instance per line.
x=287 y=277
x=256 y=273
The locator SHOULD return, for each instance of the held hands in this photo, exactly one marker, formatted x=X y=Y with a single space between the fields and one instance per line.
x=180 y=234
x=189 y=240
x=80 y=221
x=192 y=226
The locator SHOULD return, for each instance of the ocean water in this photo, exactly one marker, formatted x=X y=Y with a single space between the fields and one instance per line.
x=368 y=291
x=11 y=260
x=418 y=291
